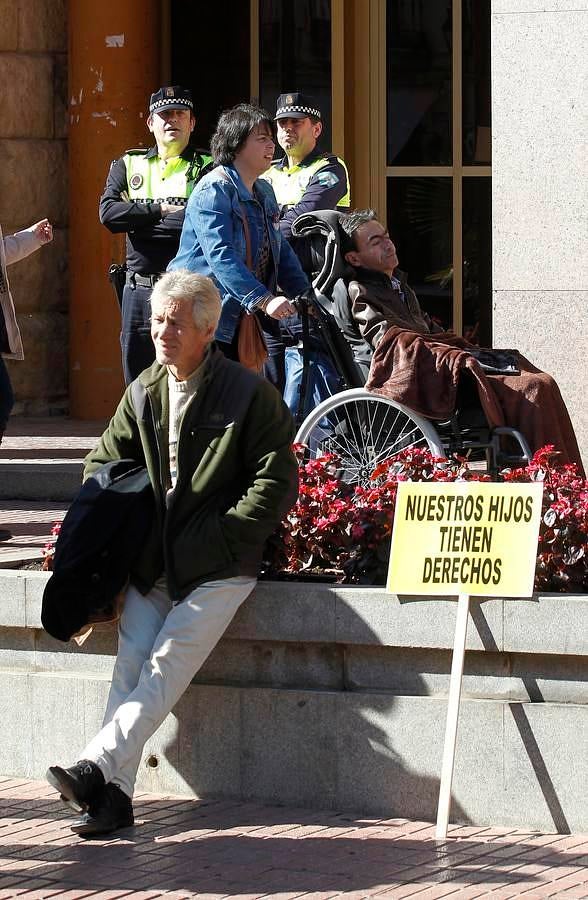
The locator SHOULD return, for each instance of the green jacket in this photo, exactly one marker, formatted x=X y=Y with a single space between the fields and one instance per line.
x=236 y=473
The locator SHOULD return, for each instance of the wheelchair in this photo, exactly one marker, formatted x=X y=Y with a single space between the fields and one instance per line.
x=361 y=427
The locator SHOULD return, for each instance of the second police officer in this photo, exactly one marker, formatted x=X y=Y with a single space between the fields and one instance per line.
x=145 y=196
x=306 y=179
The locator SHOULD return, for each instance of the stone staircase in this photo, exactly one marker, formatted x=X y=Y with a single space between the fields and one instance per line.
x=40 y=473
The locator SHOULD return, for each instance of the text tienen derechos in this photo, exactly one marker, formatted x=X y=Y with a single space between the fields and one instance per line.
x=471 y=544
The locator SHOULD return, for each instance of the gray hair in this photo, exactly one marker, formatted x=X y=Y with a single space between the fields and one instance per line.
x=350 y=222
x=201 y=291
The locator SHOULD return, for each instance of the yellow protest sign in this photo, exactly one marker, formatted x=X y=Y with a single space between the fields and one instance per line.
x=477 y=538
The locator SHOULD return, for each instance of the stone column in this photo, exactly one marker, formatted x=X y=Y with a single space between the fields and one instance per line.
x=33 y=184
x=114 y=59
x=539 y=71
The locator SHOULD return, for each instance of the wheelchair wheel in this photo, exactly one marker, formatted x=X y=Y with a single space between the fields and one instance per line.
x=364 y=429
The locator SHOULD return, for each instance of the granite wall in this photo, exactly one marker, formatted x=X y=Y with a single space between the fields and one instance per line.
x=539 y=74
x=33 y=184
x=333 y=697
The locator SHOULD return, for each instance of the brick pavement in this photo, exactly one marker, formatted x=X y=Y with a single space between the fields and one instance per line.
x=183 y=848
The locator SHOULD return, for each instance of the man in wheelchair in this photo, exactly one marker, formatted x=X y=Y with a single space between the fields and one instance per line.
x=414 y=362
x=378 y=292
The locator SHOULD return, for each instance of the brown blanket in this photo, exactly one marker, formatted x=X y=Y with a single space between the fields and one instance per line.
x=423 y=372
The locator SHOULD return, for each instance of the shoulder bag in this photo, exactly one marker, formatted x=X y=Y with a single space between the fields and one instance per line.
x=251 y=346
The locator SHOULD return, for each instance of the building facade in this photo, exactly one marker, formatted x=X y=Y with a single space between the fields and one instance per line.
x=33 y=184
x=461 y=121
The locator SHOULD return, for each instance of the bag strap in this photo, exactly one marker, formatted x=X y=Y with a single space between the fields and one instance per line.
x=138 y=398
x=248 y=256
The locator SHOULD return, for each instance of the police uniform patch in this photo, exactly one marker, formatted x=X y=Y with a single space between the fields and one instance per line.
x=327 y=179
x=136 y=181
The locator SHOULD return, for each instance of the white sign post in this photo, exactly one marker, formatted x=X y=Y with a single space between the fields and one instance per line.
x=466 y=539
x=459 y=641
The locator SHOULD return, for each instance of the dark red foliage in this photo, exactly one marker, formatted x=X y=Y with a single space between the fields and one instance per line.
x=562 y=557
x=49 y=548
x=338 y=530
x=343 y=532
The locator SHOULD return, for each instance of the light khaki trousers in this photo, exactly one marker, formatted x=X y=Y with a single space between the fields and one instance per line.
x=161 y=647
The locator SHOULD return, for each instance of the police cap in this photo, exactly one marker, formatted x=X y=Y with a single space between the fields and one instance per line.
x=297 y=106
x=171 y=96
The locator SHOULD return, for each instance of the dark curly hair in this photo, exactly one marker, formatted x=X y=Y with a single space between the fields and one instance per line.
x=234 y=127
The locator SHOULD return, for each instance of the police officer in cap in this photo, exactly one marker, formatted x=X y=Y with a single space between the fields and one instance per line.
x=305 y=179
x=145 y=196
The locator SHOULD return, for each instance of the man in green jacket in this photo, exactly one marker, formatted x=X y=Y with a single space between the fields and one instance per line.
x=216 y=441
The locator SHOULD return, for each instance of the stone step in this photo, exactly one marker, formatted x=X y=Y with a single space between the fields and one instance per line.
x=41 y=459
x=40 y=473
x=40 y=479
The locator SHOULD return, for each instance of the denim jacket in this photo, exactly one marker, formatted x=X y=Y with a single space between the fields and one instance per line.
x=213 y=243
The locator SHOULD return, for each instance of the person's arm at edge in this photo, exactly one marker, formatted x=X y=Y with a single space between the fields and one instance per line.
x=21 y=244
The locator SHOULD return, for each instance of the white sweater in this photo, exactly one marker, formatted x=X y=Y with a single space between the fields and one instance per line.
x=181 y=394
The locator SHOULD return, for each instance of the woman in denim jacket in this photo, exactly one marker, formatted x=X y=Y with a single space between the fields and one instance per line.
x=213 y=238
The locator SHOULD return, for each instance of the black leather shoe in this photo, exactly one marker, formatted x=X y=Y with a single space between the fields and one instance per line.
x=78 y=785
x=111 y=810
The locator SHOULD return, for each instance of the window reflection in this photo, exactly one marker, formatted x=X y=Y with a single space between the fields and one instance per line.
x=477 y=260
x=418 y=73
x=476 y=82
x=420 y=224
x=295 y=53
x=230 y=84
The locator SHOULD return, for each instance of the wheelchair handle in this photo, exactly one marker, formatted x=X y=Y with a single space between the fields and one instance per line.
x=303 y=301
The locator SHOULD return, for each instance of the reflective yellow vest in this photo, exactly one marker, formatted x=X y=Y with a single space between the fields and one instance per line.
x=290 y=184
x=152 y=178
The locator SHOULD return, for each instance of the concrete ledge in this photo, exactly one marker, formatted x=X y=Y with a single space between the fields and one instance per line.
x=333 y=697
x=309 y=613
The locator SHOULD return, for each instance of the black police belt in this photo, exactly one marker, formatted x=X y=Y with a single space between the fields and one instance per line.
x=173 y=201
x=134 y=279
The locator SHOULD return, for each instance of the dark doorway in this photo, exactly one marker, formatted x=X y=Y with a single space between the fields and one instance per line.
x=295 y=54
x=210 y=55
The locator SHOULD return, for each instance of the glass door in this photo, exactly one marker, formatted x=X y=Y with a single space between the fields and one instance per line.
x=293 y=53
x=438 y=144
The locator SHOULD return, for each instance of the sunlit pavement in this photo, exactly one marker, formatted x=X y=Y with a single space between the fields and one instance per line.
x=220 y=848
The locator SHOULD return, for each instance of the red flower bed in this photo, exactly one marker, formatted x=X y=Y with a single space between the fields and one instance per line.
x=343 y=532
x=49 y=548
